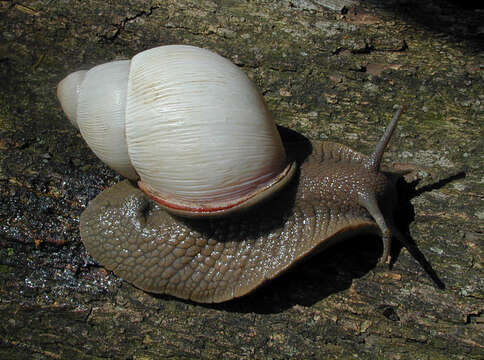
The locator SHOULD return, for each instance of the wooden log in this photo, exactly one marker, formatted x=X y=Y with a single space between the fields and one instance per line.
x=323 y=76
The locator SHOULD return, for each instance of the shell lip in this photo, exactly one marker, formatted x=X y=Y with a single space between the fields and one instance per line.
x=222 y=208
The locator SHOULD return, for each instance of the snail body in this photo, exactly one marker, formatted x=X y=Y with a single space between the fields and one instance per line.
x=169 y=245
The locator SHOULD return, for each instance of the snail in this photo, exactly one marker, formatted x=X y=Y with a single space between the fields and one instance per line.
x=215 y=203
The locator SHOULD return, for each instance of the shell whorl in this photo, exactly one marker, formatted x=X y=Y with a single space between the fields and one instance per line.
x=68 y=94
x=101 y=115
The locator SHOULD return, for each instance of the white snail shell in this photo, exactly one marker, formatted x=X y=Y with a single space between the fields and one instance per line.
x=185 y=122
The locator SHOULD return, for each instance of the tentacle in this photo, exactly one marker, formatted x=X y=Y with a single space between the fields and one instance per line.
x=375 y=159
x=386 y=228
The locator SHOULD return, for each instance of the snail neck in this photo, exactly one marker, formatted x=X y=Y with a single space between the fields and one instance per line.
x=344 y=183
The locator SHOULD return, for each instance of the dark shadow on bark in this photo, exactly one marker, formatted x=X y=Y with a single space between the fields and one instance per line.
x=405 y=215
x=461 y=20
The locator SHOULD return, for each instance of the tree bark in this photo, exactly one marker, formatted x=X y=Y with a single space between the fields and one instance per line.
x=323 y=74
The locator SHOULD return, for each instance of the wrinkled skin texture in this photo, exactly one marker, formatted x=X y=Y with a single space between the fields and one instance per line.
x=216 y=260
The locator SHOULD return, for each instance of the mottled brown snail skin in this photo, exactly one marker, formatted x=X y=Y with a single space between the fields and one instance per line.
x=336 y=195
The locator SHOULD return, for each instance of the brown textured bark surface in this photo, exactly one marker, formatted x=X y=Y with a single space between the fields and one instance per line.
x=326 y=75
